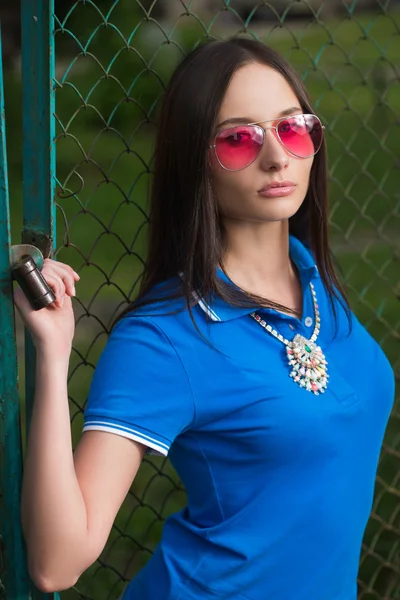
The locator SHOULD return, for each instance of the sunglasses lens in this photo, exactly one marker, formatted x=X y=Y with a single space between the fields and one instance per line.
x=238 y=147
x=301 y=135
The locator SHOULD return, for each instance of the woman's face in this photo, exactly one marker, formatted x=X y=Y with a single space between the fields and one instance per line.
x=259 y=93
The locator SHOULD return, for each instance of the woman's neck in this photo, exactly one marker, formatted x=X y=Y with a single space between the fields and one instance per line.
x=257 y=260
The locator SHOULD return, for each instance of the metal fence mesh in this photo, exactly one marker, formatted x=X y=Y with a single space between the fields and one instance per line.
x=114 y=59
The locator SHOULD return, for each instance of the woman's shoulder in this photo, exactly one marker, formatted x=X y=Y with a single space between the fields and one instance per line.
x=162 y=302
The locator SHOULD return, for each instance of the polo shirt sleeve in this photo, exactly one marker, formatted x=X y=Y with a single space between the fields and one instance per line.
x=140 y=389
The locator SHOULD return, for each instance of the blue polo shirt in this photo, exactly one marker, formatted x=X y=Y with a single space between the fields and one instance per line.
x=279 y=481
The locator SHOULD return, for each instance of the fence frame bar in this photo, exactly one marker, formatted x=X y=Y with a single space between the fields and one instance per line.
x=13 y=568
x=38 y=146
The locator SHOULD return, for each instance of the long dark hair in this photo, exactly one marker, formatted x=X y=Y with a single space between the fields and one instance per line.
x=185 y=233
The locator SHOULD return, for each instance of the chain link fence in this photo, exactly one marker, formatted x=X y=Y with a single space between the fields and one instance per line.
x=113 y=60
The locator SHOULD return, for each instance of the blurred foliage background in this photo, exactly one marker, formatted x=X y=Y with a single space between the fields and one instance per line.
x=113 y=60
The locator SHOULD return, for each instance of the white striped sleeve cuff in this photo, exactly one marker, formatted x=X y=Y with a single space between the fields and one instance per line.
x=155 y=446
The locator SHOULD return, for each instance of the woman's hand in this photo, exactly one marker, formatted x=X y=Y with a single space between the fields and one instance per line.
x=52 y=328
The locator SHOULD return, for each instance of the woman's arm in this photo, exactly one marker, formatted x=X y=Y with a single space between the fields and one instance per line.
x=69 y=501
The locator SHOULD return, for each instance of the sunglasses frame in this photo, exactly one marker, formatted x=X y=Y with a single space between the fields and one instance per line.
x=264 y=131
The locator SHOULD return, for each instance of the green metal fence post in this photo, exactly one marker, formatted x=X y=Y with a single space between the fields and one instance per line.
x=37 y=28
x=13 y=569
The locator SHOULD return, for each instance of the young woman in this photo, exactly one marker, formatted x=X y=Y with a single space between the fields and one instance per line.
x=241 y=360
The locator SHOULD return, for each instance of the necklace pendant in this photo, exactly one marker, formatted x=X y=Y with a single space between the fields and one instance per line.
x=309 y=365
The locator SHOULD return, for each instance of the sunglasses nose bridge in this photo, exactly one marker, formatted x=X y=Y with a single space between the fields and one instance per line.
x=274 y=152
x=274 y=135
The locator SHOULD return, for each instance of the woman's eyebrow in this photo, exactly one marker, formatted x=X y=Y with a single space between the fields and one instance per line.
x=284 y=113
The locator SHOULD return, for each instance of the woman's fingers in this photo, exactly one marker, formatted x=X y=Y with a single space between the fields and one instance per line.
x=61 y=278
x=62 y=267
x=56 y=284
x=55 y=323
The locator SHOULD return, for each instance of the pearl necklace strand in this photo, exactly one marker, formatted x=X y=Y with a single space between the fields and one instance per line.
x=309 y=365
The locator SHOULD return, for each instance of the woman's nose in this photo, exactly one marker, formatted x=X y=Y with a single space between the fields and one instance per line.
x=273 y=154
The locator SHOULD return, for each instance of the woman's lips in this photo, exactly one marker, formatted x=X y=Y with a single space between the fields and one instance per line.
x=276 y=190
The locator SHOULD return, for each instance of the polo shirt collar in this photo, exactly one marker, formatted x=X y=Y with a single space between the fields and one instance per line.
x=219 y=310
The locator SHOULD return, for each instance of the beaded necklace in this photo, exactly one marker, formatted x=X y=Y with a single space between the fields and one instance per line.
x=309 y=365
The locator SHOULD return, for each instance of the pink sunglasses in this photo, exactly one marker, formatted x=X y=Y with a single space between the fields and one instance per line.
x=237 y=147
